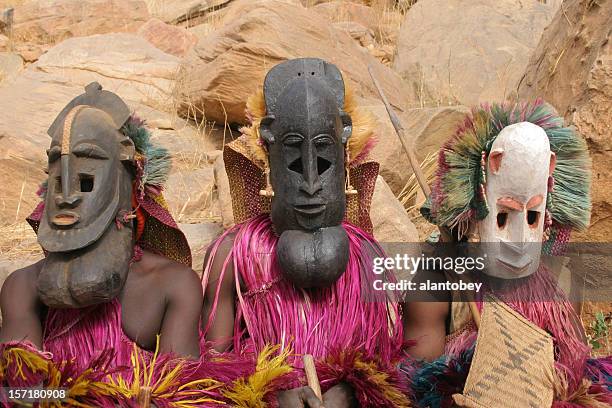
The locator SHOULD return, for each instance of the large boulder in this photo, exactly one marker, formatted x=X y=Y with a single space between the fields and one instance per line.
x=469 y=51
x=426 y=129
x=378 y=19
x=31 y=101
x=229 y=65
x=199 y=237
x=571 y=68
x=389 y=218
x=40 y=24
x=10 y=65
x=189 y=193
x=186 y=12
x=29 y=104
x=52 y=21
x=124 y=63
x=168 y=38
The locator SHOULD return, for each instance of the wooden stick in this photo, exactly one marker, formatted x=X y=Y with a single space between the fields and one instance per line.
x=397 y=125
x=311 y=375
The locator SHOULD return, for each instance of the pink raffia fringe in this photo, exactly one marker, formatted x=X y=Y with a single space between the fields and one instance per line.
x=543 y=303
x=348 y=316
x=83 y=334
x=86 y=350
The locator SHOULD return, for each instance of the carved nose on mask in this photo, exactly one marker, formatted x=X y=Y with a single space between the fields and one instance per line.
x=68 y=200
x=311 y=188
x=311 y=184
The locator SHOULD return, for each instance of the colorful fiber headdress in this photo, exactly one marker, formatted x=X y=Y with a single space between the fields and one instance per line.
x=156 y=229
x=458 y=189
x=246 y=161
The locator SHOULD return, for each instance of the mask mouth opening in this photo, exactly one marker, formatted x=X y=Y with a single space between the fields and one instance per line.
x=310 y=209
x=65 y=219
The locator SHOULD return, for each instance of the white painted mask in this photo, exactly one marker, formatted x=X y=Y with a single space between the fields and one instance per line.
x=517 y=172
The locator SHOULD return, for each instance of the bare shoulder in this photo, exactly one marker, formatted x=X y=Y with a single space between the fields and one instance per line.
x=155 y=271
x=217 y=253
x=19 y=294
x=22 y=281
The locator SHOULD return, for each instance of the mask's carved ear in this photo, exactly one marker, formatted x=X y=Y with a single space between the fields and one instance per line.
x=347 y=126
x=553 y=163
x=127 y=151
x=495 y=159
x=264 y=129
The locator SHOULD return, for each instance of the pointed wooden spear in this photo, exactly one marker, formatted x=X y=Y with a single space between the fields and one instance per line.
x=399 y=130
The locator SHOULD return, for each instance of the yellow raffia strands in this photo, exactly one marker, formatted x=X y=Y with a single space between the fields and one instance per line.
x=167 y=387
x=77 y=388
x=20 y=358
x=364 y=124
x=380 y=381
x=250 y=392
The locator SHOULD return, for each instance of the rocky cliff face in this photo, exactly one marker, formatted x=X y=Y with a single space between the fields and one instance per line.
x=571 y=68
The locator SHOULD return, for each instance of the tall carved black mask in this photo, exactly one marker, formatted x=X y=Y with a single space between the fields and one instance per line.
x=306 y=132
x=88 y=186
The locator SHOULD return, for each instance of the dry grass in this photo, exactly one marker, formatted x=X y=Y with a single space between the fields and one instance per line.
x=18 y=241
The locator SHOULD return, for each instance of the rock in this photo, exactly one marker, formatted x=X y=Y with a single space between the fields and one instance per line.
x=348 y=11
x=468 y=51
x=170 y=39
x=30 y=103
x=124 y=63
x=571 y=69
x=229 y=65
x=10 y=65
x=376 y=19
x=186 y=12
x=189 y=193
x=4 y=42
x=31 y=52
x=426 y=129
x=363 y=35
x=51 y=21
x=202 y=30
x=199 y=237
x=389 y=218
x=223 y=193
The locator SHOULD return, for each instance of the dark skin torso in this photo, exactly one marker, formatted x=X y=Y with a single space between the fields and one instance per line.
x=222 y=328
x=159 y=296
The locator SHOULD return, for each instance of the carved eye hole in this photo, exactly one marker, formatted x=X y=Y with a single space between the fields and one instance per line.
x=296 y=166
x=502 y=218
x=322 y=165
x=87 y=183
x=532 y=218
